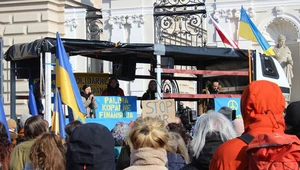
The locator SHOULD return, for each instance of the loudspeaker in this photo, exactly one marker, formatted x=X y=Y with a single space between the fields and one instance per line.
x=29 y=68
x=166 y=62
x=124 y=67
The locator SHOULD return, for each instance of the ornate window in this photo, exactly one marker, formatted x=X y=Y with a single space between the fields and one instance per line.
x=180 y=22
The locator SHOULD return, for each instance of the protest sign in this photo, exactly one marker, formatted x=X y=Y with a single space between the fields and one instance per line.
x=233 y=103
x=164 y=109
x=116 y=107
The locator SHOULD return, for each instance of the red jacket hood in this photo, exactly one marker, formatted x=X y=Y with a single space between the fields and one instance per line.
x=262 y=106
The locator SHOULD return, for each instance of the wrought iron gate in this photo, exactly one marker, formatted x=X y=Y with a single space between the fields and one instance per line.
x=180 y=22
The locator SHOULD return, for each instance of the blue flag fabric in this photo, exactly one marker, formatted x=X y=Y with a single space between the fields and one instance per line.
x=59 y=121
x=3 y=119
x=32 y=103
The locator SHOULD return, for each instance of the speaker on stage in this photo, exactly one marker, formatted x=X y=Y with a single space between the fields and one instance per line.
x=124 y=67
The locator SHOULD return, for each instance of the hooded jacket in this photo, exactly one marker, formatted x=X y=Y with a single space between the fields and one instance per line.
x=292 y=119
x=90 y=145
x=262 y=106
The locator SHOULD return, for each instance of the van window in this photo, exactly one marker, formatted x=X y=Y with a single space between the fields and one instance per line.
x=268 y=67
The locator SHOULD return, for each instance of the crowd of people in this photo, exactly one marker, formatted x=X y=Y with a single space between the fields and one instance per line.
x=218 y=143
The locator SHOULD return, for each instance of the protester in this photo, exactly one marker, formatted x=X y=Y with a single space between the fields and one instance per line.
x=69 y=129
x=148 y=139
x=5 y=148
x=123 y=160
x=120 y=132
x=226 y=111
x=23 y=119
x=47 y=153
x=34 y=127
x=38 y=99
x=12 y=127
x=113 y=88
x=213 y=88
x=262 y=105
x=91 y=147
x=180 y=129
x=89 y=101
x=238 y=125
x=211 y=131
x=292 y=119
x=150 y=93
x=177 y=154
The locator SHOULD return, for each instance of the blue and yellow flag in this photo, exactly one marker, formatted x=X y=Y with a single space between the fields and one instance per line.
x=248 y=30
x=65 y=80
x=3 y=118
x=58 y=118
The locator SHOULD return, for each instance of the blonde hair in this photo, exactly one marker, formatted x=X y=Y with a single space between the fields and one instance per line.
x=148 y=132
x=177 y=145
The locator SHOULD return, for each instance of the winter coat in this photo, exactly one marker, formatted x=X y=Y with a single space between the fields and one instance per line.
x=262 y=106
x=148 y=159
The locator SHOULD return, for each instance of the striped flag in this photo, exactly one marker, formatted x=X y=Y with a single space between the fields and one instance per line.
x=224 y=37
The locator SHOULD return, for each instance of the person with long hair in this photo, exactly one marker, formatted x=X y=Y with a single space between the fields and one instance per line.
x=150 y=93
x=33 y=128
x=113 y=88
x=5 y=148
x=47 y=153
x=148 y=139
x=211 y=130
x=89 y=101
x=178 y=155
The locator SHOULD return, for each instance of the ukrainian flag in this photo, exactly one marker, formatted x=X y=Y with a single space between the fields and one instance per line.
x=58 y=118
x=32 y=103
x=65 y=80
x=248 y=30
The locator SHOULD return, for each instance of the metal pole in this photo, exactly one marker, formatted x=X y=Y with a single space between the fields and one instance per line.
x=13 y=114
x=48 y=87
x=158 y=76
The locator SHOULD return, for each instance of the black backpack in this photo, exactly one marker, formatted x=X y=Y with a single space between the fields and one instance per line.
x=91 y=147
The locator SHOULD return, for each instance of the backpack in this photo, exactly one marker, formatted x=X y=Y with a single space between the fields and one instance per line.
x=272 y=151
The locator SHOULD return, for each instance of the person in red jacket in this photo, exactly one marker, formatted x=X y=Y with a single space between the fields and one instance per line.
x=262 y=107
x=113 y=88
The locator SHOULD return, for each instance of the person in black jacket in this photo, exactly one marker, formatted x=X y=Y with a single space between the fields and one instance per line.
x=211 y=130
x=292 y=119
x=150 y=93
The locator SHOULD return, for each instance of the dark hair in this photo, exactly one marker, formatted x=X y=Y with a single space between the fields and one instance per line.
x=4 y=143
x=151 y=81
x=34 y=127
x=111 y=79
x=85 y=86
x=71 y=126
x=178 y=128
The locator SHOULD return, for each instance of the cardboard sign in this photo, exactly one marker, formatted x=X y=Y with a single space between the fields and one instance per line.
x=164 y=109
x=115 y=107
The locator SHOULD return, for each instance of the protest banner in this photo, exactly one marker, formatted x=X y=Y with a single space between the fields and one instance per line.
x=116 y=107
x=164 y=109
x=233 y=103
x=97 y=81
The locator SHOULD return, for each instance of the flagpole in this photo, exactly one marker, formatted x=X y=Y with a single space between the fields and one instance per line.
x=250 y=66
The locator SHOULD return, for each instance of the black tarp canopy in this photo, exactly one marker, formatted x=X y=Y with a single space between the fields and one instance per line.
x=104 y=50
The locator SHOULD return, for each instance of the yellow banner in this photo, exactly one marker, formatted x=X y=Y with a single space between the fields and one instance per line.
x=97 y=81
